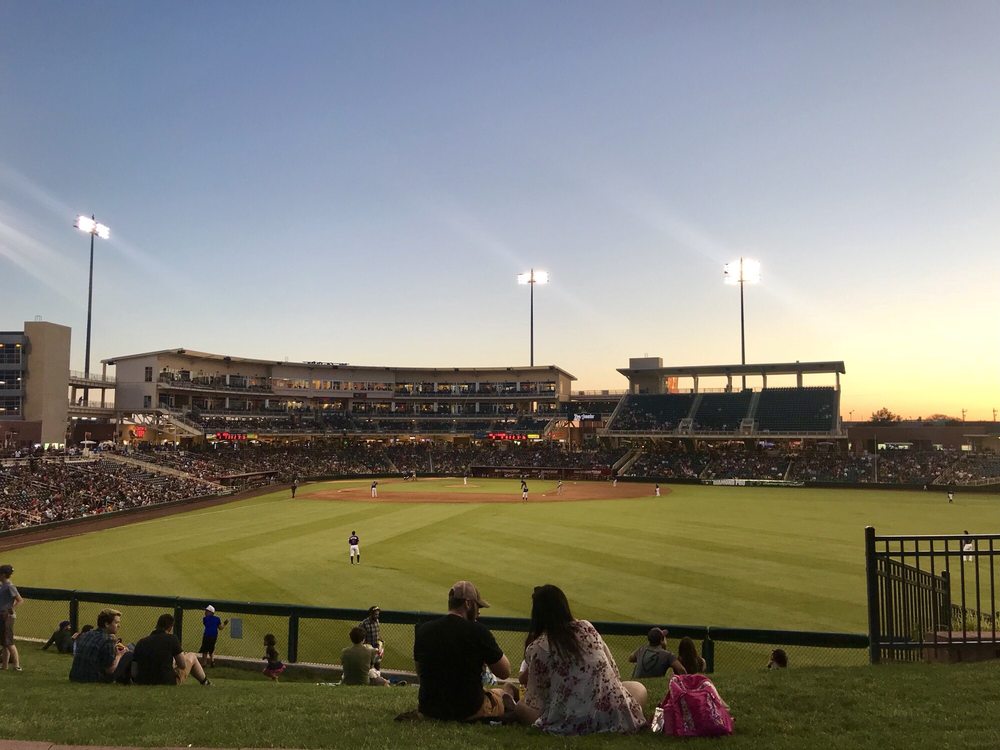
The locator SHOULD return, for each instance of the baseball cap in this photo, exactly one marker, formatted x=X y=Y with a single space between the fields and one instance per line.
x=374 y=608
x=8 y=569
x=467 y=590
x=656 y=635
x=210 y=608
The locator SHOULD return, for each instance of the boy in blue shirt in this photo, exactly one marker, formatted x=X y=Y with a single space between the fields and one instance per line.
x=212 y=627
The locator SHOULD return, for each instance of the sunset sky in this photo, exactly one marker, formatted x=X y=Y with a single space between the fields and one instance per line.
x=362 y=182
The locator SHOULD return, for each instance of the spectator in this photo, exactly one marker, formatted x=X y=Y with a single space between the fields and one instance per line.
x=653 y=659
x=450 y=653
x=62 y=638
x=373 y=637
x=573 y=682
x=9 y=601
x=100 y=655
x=160 y=660
x=687 y=653
x=779 y=659
x=358 y=662
x=209 y=638
x=275 y=667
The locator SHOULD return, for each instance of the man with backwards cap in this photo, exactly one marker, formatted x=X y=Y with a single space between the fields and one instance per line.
x=654 y=660
x=450 y=653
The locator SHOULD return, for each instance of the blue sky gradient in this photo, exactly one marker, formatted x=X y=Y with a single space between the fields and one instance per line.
x=362 y=182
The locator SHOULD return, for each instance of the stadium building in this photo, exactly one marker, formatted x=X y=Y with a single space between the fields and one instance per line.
x=237 y=397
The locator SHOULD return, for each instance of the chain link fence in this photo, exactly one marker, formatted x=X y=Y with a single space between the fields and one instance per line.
x=318 y=635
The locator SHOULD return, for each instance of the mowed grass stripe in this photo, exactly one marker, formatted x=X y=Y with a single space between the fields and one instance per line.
x=750 y=557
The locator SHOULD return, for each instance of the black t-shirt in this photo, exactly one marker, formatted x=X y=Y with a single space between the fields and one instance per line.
x=154 y=657
x=451 y=652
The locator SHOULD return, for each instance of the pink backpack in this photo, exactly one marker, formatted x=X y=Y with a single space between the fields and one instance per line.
x=693 y=707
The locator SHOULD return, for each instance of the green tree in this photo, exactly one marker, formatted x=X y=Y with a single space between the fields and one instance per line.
x=884 y=416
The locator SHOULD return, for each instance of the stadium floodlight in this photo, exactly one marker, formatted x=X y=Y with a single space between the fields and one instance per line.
x=91 y=226
x=531 y=278
x=742 y=271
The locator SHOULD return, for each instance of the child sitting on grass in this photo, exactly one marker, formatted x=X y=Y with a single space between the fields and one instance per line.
x=274 y=666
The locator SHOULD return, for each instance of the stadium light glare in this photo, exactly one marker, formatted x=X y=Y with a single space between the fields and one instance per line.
x=531 y=278
x=91 y=226
x=743 y=271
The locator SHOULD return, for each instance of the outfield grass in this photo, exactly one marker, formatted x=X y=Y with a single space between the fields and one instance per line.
x=745 y=557
x=889 y=708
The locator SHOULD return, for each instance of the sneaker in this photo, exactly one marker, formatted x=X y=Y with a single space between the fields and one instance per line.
x=400 y=683
x=18 y=668
x=207 y=682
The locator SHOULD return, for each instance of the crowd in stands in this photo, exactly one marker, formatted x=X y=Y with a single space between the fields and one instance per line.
x=40 y=491
x=910 y=467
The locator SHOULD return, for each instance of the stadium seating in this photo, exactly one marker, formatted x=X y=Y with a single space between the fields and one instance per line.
x=797 y=410
x=652 y=413
x=722 y=412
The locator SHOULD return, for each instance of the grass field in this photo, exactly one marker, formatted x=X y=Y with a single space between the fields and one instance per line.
x=743 y=557
x=888 y=708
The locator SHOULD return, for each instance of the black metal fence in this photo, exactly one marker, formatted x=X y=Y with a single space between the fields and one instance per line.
x=932 y=597
x=318 y=634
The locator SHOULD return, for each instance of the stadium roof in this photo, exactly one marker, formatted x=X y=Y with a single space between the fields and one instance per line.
x=770 y=368
x=195 y=355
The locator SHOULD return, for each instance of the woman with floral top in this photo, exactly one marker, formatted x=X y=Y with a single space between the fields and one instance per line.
x=573 y=685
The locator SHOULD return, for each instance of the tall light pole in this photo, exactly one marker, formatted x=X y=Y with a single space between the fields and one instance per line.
x=743 y=271
x=531 y=278
x=93 y=228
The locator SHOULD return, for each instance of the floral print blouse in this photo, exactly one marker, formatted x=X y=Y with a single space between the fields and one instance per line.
x=581 y=695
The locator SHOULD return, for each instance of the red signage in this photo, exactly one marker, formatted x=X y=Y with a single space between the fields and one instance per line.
x=234 y=436
x=139 y=431
x=507 y=436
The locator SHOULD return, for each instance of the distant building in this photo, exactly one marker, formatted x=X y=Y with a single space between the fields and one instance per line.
x=34 y=380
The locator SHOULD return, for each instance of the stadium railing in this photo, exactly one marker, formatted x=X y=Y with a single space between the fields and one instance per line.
x=318 y=634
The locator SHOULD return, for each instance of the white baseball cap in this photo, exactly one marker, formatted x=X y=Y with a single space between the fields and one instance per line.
x=210 y=608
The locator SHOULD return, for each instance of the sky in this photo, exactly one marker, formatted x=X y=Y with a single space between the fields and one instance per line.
x=362 y=182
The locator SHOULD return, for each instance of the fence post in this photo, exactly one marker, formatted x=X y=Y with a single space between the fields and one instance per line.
x=871 y=575
x=708 y=653
x=74 y=614
x=179 y=622
x=293 y=638
x=944 y=614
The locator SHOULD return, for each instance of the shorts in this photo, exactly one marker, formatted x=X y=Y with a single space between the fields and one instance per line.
x=491 y=707
x=355 y=550
x=208 y=644
x=6 y=630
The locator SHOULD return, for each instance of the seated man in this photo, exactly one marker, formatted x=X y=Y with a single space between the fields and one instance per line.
x=653 y=660
x=100 y=656
x=358 y=662
x=450 y=653
x=62 y=639
x=160 y=660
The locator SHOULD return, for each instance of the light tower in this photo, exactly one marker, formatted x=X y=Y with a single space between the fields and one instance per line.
x=94 y=229
x=742 y=271
x=531 y=278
